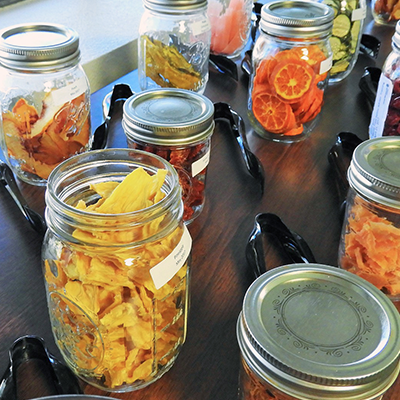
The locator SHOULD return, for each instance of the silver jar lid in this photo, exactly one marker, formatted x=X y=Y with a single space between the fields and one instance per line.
x=38 y=47
x=174 y=6
x=396 y=36
x=296 y=18
x=170 y=117
x=374 y=170
x=319 y=332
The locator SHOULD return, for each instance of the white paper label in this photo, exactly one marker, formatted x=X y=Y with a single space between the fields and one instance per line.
x=359 y=13
x=381 y=106
x=69 y=92
x=325 y=65
x=200 y=164
x=200 y=27
x=167 y=268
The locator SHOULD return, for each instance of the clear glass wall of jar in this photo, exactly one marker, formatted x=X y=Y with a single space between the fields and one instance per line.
x=44 y=99
x=230 y=25
x=174 y=45
x=117 y=284
x=370 y=240
x=291 y=61
x=385 y=12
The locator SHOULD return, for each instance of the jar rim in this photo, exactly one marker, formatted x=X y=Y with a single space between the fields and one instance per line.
x=73 y=178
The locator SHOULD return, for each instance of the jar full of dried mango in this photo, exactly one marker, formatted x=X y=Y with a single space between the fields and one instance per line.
x=291 y=61
x=370 y=240
x=174 y=45
x=116 y=259
x=44 y=99
x=315 y=332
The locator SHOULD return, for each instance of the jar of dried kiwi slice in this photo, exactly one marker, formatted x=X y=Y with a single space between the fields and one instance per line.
x=116 y=259
x=346 y=36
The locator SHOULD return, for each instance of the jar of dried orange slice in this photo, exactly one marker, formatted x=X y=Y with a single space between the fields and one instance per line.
x=116 y=262
x=292 y=58
x=370 y=241
x=44 y=98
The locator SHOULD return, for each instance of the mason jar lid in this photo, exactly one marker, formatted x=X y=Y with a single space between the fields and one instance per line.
x=172 y=6
x=320 y=332
x=38 y=46
x=296 y=18
x=170 y=117
x=374 y=170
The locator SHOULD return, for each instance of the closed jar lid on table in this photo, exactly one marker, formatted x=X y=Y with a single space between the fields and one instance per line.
x=318 y=332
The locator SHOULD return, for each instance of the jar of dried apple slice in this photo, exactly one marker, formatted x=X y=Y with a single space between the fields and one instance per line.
x=44 y=99
x=116 y=264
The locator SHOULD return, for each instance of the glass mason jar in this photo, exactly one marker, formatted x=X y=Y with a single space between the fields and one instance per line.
x=174 y=45
x=385 y=119
x=44 y=99
x=230 y=25
x=291 y=61
x=346 y=36
x=177 y=125
x=385 y=12
x=316 y=332
x=117 y=284
x=370 y=240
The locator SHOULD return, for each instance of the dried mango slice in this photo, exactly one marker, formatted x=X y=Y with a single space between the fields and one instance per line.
x=120 y=330
x=372 y=249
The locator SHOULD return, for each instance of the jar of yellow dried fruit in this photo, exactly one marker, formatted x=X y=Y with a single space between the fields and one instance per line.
x=44 y=99
x=370 y=240
x=116 y=258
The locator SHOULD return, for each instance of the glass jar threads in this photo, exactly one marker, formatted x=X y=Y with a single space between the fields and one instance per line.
x=230 y=25
x=116 y=258
x=44 y=99
x=174 y=45
x=291 y=61
x=385 y=119
x=314 y=332
x=346 y=36
x=370 y=241
x=177 y=125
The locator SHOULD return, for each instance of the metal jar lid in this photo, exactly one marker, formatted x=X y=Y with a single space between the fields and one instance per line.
x=319 y=332
x=296 y=18
x=396 y=36
x=170 y=117
x=174 y=6
x=374 y=170
x=38 y=47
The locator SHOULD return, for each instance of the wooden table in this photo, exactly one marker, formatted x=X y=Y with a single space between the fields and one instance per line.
x=299 y=187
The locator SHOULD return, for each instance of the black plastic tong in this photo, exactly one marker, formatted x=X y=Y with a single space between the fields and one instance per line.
x=120 y=92
x=34 y=218
x=291 y=243
x=253 y=164
x=34 y=372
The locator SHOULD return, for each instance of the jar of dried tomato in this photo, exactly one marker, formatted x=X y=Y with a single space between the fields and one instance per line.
x=370 y=240
x=44 y=99
x=177 y=125
x=314 y=332
x=116 y=258
x=291 y=61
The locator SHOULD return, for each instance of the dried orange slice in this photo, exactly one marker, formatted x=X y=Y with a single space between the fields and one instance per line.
x=272 y=113
x=292 y=79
